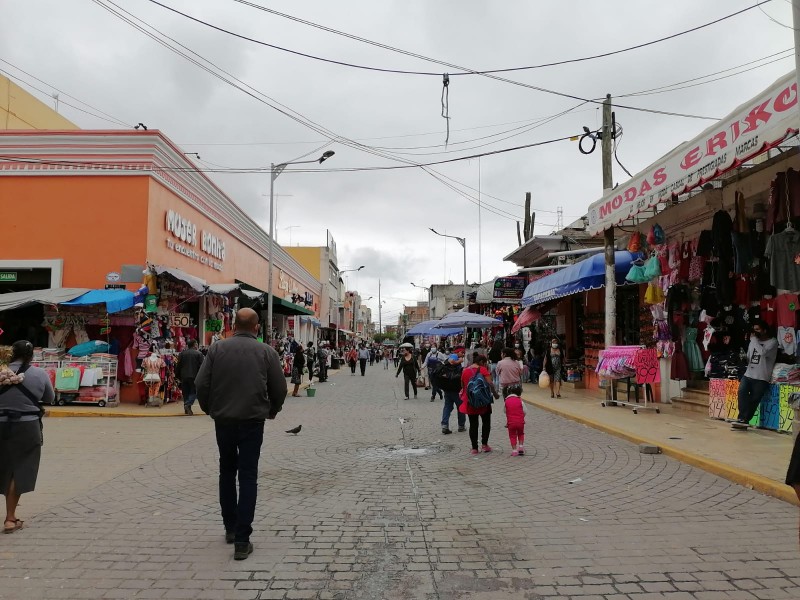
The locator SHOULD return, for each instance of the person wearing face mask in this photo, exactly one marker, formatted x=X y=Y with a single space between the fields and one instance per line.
x=410 y=369
x=761 y=356
x=553 y=361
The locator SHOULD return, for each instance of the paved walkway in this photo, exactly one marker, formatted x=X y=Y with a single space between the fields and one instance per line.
x=370 y=501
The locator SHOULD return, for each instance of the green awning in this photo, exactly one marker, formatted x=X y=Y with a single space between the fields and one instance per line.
x=284 y=307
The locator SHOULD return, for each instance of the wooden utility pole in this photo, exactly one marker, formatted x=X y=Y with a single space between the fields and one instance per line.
x=527 y=230
x=608 y=235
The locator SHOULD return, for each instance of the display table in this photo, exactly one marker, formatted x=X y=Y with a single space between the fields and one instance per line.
x=774 y=411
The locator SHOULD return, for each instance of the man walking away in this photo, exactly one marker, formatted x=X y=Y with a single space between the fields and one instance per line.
x=240 y=385
x=371 y=356
x=189 y=362
x=322 y=359
x=761 y=355
x=434 y=361
x=448 y=378
x=508 y=370
x=363 y=357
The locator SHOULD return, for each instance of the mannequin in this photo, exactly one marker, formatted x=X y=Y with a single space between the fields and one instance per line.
x=152 y=378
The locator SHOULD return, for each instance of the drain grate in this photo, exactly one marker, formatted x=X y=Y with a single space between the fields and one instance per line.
x=388 y=452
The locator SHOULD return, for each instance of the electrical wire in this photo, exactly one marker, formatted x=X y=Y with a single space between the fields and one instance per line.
x=618 y=136
x=429 y=73
x=774 y=20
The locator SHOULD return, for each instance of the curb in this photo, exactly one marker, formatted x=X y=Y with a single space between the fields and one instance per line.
x=747 y=479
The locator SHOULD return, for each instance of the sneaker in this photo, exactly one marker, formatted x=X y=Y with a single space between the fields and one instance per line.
x=474 y=451
x=229 y=535
x=242 y=551
x=432 y=399
x=486 y=448
x=446 y=431
x=521 y=451
x=462 y=429
x=187 y=410
x=514 y=453
x=415 y=396
x=406 y=398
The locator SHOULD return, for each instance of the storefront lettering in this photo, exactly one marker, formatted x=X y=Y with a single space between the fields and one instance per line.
x=186 y=232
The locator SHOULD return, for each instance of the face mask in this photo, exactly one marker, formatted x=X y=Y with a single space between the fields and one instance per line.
x=554 y=345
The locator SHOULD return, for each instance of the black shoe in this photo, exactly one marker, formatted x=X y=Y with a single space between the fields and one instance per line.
x=446 y=430
x=462 y=429
x=242 y=551
x=229 y=535
x=434 y=398
x=187 y=410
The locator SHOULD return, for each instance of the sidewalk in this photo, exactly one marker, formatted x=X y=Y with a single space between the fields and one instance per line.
x=756 y=459
x=173 y=409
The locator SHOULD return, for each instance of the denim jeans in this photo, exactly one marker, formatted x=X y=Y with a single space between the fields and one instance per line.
x=189 y=392
x=451 y=401
x=435 y=389
x=362 y=362
x=751 y=391
x=239 y=446
x=495 y=378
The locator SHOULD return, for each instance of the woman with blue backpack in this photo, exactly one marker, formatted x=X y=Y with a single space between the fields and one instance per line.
x=477 y=395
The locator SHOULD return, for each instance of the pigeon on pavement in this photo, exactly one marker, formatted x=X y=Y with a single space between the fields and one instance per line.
x=296 y=430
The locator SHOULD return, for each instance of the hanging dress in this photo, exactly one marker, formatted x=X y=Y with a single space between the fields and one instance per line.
x=692 y=350
x=680 y=367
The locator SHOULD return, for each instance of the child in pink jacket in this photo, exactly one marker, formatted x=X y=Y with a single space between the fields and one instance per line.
x=515 y=411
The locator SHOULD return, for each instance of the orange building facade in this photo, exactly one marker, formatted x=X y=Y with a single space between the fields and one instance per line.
x=81 y=205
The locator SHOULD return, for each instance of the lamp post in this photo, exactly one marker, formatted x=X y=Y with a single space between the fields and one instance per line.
x=463 y=242
x=336 y=340
x=427 y=289
x=274 y=172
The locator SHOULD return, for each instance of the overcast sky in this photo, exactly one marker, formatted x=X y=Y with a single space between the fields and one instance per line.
x=381 y=218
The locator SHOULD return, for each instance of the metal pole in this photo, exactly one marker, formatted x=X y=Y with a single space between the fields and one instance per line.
x=271 y=243
x=608 y=235
x=380 y=310
x=466 y=301
x=796 y=25
x=480 y=233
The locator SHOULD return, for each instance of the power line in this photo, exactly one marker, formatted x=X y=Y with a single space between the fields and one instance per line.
x=475 y=71
x=429 y=73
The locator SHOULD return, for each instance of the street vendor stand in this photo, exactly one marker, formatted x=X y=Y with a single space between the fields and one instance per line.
x=637 y=366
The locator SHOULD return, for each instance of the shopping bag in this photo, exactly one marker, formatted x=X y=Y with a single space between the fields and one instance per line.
x=544 y=380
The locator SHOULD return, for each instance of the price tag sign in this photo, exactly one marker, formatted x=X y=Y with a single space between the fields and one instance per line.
x=180 y=320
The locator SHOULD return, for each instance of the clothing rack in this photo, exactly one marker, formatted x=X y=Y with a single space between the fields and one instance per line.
x=638 y=366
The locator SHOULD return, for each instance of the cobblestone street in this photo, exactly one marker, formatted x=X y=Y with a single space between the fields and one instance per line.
x=371 y=501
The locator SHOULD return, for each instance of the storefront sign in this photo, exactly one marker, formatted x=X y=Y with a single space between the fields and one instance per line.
x=751 y=129
x=212 y=248
x=510 y=288
x=180 y=320
x=115 y=286
x=8 y=276
x=113 y=277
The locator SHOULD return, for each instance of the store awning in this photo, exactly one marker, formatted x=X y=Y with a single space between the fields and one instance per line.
x=346 y=332
x=526 y=317
x=252 y=295
x=223 y=289
x=313 y=320
x=51 y=296
x=588 y=274
x=427 y=328
x=485 y=293
x=284 y=307
x=115 y=300
x=753 y=128
x=197 y=284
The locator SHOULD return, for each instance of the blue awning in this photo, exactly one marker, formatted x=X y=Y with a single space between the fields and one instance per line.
x=588 y=274
x=427 y=328
x=115 y=300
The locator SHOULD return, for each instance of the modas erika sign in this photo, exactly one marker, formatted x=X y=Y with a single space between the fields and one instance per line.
x=751 y=129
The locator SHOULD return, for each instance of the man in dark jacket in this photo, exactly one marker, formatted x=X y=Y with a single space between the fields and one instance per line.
x=448 y=378
x=189 y=362
x=240 y=385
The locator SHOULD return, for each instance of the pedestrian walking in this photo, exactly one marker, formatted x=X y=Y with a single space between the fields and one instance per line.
x=311 y=356
x=189 y=361
x=23 y=391
x=761 y=356
x=433 y=361
x=363 y=357
x=322 y=360
x=410 y=368
x=298 y=364
x=515 y=411
x=371 y=356
x=395 y=356
x=553 y=363
x=508 y=370
x=447 y=377
x=387 y=356
x=352 y=360
x=240 y=385
x=495 y=356
x=475 y=413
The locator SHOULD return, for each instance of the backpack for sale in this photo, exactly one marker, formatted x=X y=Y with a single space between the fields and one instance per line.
x=479 y=394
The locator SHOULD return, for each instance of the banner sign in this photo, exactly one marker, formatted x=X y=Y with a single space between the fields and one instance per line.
x=510 y=288
x=754 y=127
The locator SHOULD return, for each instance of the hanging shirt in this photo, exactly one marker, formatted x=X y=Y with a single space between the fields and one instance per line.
x=783 y=250
x=768 y=312
x=786 y=306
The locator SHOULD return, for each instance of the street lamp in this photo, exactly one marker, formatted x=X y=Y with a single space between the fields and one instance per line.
x=274 y=172
x=427 y=289
x=336 y=339
x=463 y=242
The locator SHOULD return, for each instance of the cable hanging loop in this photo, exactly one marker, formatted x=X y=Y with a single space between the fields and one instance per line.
x=446 y=105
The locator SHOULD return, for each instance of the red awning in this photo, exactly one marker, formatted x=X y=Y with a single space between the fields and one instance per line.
x=526 y=317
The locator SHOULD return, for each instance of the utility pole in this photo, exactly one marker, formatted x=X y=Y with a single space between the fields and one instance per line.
x=480 y=233
x=380 y=310
x=608 y=234
x=796 y=25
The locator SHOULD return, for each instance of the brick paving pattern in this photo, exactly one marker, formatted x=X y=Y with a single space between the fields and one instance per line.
x=371 y=501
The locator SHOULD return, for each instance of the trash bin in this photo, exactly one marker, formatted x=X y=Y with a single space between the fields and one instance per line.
x=310 y=392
